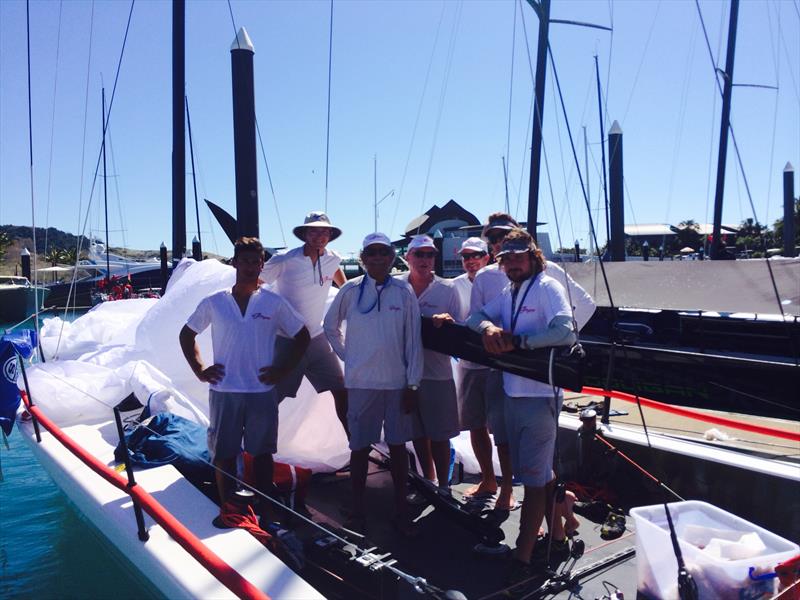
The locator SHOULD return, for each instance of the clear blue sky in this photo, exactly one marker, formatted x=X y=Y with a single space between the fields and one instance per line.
x=655 y=71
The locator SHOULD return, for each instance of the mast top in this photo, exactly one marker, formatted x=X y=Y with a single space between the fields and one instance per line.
x=242 y=41
x=788 y=168
x=615 y=129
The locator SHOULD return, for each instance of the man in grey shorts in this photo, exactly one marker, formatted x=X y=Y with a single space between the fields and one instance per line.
x=436 y=420
x=303 y=276
x=243 y=402
x=532 y=312
x=382 y=354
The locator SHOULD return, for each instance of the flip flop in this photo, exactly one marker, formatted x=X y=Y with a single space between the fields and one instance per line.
x=613 y=527
x=514 y=506
x=474 y=494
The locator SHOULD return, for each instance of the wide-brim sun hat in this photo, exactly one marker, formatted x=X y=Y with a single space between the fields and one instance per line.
x=316 y=218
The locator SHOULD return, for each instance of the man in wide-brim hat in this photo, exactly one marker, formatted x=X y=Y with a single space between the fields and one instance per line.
x=303 y=276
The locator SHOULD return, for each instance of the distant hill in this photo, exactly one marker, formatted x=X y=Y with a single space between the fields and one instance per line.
x=55 y=237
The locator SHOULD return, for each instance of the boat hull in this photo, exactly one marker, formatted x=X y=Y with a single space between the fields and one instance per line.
x=18 y=302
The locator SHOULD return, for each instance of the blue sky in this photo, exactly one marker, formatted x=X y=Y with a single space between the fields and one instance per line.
x=655 y=72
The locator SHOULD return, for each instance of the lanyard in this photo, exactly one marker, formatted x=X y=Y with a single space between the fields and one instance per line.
x=515 y=310
x=314 y=270
x=377 y=301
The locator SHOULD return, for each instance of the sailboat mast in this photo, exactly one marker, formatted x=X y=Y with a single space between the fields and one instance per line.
x=105 y=187
x=542 y=8
x=602 y=143
x=723 y=131
x=178 y=131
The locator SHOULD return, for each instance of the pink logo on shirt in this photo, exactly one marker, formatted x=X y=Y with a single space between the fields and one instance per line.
x=258 y=315
x=525 y=309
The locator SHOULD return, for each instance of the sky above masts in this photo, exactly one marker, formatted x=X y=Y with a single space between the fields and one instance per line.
x=655 y=71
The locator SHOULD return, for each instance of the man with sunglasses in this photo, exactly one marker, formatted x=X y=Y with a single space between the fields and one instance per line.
x=532 y=312
x=383 y=364
x=304 y=276
x=436 y=419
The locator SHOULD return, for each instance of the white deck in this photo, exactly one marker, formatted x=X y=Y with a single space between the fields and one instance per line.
x=161 y=560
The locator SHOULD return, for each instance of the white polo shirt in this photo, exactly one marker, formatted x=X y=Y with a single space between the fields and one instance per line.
x=244 y=344
x=537 y=303
x=490 y=281
x=463 y=287
x=302 y=284
x=439 y=297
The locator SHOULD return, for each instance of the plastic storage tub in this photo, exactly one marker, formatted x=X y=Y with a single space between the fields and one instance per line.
x=713 y=549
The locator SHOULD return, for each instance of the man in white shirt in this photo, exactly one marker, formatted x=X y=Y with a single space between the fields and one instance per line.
x=383 y=365
x=436 y=419
x=243 y=402
x=472 y=377
x=532 y=312
x=304 y=276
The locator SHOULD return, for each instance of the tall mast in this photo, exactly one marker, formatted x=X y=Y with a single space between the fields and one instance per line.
x=542 y=8
x=105 y=188
x=178 y=131
x=723 y=130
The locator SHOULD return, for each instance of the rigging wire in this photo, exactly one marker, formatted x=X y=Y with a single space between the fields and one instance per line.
x=510 y=98
x=741 y=167
x=328 y=130
x=271 y=186
x=194 y=171
x=52 y=126
x=776 y=62
x=115 y=177
x=442 y=94
x=419 y=112
x=30 y=153
x=641 y=62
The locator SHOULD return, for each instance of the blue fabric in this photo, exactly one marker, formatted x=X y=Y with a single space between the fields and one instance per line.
x=24 y=342
x=169 y=439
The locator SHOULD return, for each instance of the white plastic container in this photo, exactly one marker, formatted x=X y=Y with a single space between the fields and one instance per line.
x=714 y=552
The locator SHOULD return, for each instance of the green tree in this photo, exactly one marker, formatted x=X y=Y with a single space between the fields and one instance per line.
x=5 y=242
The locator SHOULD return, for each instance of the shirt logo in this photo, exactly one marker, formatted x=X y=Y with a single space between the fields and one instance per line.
x=395 y=308
x=525 y=309
x=258 y=315
x=426 y=304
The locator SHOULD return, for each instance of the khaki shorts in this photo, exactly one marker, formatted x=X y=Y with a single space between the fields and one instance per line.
x=436 y=416
x=495 y=407
x=369 y=410
x=471 y=388
x=236 y=416
x=531 y=424
x=319 y=364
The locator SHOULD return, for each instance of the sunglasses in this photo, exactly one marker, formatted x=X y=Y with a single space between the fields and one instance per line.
x=471 y=255
x=382 y=251
x=421 y=254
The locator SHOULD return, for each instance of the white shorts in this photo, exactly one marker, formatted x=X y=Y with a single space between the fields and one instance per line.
x=471 y=389
x=235 y=416
x=319 y=364
x=531 y=425
x=369 y=410
x=436 y=416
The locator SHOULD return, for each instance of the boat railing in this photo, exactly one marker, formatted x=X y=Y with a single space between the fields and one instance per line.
x=221 y=570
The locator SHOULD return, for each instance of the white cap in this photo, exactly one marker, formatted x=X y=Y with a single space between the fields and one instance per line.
x=421 y=241
x=376 y=238
x=474 y=244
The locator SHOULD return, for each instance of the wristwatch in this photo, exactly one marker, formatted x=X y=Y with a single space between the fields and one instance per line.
x=413 y=388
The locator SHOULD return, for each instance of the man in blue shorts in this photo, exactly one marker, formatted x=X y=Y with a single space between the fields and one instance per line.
x=532 y=312
x=242 y=401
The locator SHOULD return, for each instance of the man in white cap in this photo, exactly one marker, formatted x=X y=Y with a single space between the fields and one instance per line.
x=436 y=421
x=472 y=377
x=304 y=276
x=382 y=354
x=532 y=312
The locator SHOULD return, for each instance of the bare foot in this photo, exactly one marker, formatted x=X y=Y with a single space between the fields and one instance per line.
x=571 y=523
x=505 y=501
x=482 y=489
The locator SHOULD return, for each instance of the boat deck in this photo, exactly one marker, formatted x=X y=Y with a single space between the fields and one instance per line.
x=443 y=552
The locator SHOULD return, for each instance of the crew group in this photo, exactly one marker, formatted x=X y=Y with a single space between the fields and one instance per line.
x=390 y=383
